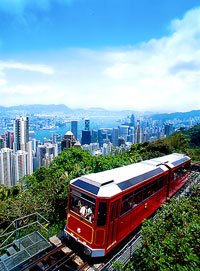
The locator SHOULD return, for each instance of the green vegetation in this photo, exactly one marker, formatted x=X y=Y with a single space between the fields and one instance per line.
x=172 y=242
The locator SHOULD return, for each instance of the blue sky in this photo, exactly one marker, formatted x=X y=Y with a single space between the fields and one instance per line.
x=139 y=55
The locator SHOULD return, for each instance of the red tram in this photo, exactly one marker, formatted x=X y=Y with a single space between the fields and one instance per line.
x=105 y=207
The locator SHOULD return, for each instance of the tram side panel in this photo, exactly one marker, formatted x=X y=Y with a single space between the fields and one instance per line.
x=178 y=177
x=146 y=199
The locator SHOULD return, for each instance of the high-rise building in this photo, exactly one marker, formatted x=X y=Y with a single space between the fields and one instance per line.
x=115 y=136
x=9 y=139
x=132 y=120
x=123 y=131
x=86 y=137
x=74 y=128
x=6 y=167
x=20 y=164
x=94 y=136
x=2 y=143
x=138 y=134
x=168 y=129
x=28 y=148
x=22 y=143
x=21 y=133
x=102 y=135
x=87 y=124
x=46 y=154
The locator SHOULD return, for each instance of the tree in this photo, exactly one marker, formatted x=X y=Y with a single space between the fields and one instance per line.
x=172 y=242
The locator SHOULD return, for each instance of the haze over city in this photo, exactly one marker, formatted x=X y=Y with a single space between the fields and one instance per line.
x=137 y=55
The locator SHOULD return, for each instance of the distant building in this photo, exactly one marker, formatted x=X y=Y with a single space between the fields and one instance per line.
x=86 y=137
x=121 y=141
x=93 y=148
x=46 y=154
x=21 y=133
x=94 y=138
x=6 y=167
x=101 y=136
x=74 y=128
x=20 y=165
x=106 y=149
x=115 y=136
x=9 y=139
x=2 y=143
x=77 y=145
x=87 y=124
x=138 y=134
x=123 y=131
x=68 y=141
x=132 y=120
x=21 y=141
x=168 y=129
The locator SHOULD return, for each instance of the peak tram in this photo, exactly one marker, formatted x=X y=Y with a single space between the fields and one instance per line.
x=105 y=207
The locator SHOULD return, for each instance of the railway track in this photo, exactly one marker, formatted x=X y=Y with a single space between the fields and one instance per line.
x=59 y=259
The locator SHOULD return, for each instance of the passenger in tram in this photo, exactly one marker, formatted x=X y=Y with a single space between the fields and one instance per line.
x=134 y=204
x=86 y=212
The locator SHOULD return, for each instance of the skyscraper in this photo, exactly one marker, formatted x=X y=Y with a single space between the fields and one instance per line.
x=94 y=136
x=20 y=165
x=86 y=137
x=138 y=134
x=22 y=143
x=132 y=120
x=115 y=136
x=87 y=124
x=123 y=131
x=2 y=143
x=6 y=167
x=74 y=128
x=21 y=133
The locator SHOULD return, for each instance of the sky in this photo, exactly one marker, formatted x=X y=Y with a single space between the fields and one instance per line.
x=116 y=54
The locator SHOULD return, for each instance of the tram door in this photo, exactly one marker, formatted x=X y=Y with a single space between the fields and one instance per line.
x=113 y=222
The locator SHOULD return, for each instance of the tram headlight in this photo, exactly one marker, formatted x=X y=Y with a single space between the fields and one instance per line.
x=87 y=251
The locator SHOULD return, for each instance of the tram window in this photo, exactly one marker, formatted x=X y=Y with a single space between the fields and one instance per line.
x=138 y=195
x=154 y=186
x=127 y=203
x=147 y=191
x=102 y=214
x=160 y=183
x=82 y=204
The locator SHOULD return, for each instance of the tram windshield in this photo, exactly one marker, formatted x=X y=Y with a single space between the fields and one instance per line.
x=82 y=204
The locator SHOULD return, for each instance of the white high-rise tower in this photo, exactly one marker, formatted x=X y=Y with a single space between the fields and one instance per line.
x=22 y=143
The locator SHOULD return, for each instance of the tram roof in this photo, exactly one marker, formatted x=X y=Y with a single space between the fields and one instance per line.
x=172 y=160
x=111 y=182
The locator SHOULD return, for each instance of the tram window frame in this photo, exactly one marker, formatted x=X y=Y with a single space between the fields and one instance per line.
x=79 y=199
x=102 y=214
x=126 y=206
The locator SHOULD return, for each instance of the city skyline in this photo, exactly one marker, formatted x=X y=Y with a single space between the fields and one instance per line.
x=112 y=54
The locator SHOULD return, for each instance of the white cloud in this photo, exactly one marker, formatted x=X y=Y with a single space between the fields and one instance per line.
x=161 y=74
x=29 y=67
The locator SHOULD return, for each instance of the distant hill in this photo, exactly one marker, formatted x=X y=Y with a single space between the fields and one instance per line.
x=176 y=115
x=37 y=108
